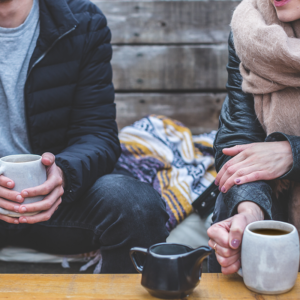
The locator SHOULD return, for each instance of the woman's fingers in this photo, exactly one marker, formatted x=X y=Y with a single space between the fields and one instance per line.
x=233 y=268
x=271 y=161
x=219 y=233
x=228 y=261
x=228 y=169
x=45 y=204
x=241 y=171
x=223 y=251
x=6 y=182
x=41 y=217
x=236 y=149
x=253 y=176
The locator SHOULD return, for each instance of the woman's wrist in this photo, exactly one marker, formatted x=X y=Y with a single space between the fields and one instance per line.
x=251 y=209
x=287 y=149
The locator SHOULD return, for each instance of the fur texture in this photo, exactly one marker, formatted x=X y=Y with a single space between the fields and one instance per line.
x=269 y=51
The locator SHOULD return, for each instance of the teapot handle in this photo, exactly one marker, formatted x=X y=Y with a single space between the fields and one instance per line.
x=137 y=266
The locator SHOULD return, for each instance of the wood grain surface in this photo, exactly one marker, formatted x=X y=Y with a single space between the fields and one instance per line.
x=115 y=1
x=199 y=112
x=172 y=22
x=122 y=287
x=176 y=68
x=165 y=49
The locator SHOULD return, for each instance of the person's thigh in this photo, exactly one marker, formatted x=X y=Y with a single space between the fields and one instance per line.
x=117 y=213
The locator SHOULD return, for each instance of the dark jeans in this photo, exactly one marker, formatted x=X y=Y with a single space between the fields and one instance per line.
x=279 y=213
x=117 y=213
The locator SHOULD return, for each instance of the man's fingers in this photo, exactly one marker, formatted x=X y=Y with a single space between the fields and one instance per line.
x=236 y=149
x=232 y=268
x=6 y=182
x=9 y=219
x=239 y=223
x=223 y=251
x=9 y=205
x=45 y=204
x=227 y=261
x=10 y=195
x=41 y=217
x=48 y=159
x=43 y=189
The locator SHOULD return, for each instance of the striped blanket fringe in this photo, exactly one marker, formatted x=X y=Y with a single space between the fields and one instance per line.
x=162 y=152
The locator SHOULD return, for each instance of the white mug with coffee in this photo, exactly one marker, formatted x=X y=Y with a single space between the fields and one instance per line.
x=270 y=257
x=26 y=170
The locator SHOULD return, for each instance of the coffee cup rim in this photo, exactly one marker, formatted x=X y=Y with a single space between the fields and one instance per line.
x=20 y=156
x=270 y=224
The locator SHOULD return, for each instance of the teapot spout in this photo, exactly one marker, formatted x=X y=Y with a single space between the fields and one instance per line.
x=199 y=255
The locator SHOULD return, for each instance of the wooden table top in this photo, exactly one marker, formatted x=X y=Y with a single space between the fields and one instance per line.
x=117 y=287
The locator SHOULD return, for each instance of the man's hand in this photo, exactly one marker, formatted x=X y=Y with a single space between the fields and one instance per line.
x=52 y=188
x=226 y=236
x=253 y=162
x=5 y=193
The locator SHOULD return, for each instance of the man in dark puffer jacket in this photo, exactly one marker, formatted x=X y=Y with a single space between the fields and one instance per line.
x=66 y=108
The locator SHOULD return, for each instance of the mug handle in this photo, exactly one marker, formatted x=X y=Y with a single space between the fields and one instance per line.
x=240 y=272
x=137 y=266
x=1 y=169
x=2 y=210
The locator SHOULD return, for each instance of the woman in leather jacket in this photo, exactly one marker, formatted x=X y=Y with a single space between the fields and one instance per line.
x=247 y=160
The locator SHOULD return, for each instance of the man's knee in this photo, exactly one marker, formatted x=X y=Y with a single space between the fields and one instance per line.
x=125 y=195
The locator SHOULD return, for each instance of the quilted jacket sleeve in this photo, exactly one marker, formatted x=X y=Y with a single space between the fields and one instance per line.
x=93 y=145
x=239 y=125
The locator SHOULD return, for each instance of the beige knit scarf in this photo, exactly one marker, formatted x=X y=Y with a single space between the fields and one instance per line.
x=269 y=51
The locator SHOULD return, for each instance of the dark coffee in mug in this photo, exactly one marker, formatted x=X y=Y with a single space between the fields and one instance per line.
x=267 y=231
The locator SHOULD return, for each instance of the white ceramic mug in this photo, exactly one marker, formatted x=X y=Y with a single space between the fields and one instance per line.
x=26 y=170
x=270 y=263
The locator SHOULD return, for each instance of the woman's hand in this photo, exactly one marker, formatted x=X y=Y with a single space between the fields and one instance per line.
x=52 y=189
x=253 y=162
x=226 y=236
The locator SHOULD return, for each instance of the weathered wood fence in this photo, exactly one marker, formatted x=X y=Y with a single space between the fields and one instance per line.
x=170 y=58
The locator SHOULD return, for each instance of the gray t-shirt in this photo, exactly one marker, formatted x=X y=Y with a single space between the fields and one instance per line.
x=16 y=48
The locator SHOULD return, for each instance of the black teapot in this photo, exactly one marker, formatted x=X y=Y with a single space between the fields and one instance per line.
x=169 y=270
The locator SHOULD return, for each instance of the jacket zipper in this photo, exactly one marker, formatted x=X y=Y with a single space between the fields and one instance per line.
x=36 y=62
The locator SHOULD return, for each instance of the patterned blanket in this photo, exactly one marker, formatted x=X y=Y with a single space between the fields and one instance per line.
x=163 y=153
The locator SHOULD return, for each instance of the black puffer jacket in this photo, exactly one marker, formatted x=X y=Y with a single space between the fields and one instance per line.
x=69 y=96
x=239 y=125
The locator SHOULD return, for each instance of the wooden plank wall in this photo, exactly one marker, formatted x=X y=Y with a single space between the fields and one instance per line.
x=170 y=58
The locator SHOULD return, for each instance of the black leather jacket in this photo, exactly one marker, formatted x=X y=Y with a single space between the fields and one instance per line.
x=239 y=125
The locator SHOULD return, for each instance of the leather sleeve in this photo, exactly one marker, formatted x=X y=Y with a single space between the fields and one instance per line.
x=239 y=125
